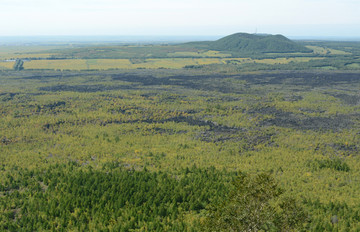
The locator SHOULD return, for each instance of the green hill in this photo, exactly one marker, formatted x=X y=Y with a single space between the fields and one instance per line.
x=253 y=43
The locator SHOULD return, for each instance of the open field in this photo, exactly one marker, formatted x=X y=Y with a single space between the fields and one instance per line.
x=103 y=64
x=23 y=51
x=325 y=56
x=199 y=54
x=166 y=63
x=7 y=65
x=330 y=51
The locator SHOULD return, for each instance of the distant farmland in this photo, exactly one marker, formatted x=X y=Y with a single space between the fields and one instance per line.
x=169 y=63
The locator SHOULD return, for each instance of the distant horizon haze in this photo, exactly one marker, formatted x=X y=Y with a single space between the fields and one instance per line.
x=309 y=18
x=139 y=39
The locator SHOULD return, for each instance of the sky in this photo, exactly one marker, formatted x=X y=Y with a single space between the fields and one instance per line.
x=340 y=18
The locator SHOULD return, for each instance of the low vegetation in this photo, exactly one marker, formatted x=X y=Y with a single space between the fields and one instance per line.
x=180 y=149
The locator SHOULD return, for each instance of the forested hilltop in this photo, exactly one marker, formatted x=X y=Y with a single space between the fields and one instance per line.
x=254 y=43
x=178 y=138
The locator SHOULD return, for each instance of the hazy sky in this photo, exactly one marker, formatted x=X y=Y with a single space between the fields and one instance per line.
x=180 y=17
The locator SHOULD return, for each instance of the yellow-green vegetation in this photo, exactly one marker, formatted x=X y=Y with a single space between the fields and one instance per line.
x=174 y=138
x=327 y=51
x=7 y=65
x=326 y=56
x=175 y=63
x=287 y=60
x=78 y=64
x=294 y=125
x=353 y=66
x=199 y=54
x=13 y=52
x=271 y=61
x=165 y=63
x=104 y=64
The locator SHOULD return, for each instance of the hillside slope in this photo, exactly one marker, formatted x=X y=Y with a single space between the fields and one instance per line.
x=253 y=43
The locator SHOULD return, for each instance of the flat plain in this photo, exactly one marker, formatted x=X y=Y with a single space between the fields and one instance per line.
x=175 y=119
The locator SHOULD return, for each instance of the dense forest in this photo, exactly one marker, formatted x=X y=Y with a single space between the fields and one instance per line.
x=265 y=143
